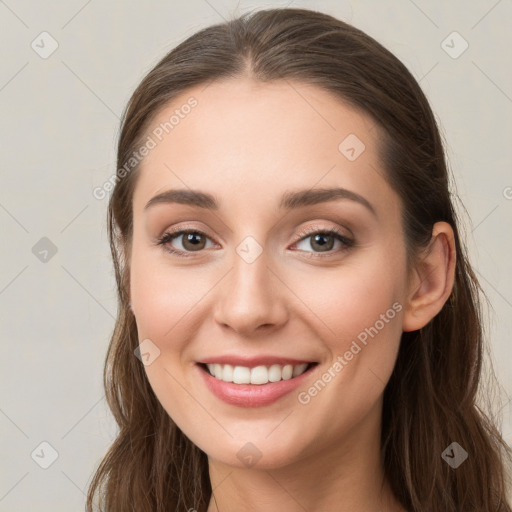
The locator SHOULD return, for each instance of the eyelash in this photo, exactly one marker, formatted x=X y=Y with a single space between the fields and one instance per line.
x=168 y=237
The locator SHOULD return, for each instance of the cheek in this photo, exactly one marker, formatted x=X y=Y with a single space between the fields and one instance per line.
x=162 y=296
x=361 y=306
x=348 y=299
x=358 y=308
x=163 y=300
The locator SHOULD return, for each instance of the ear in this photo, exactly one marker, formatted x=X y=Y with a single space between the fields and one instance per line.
x=431 y=280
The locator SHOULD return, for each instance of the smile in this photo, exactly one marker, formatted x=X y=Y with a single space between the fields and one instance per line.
x=255 y=386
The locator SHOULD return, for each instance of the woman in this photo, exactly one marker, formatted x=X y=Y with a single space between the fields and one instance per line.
x=299 y=326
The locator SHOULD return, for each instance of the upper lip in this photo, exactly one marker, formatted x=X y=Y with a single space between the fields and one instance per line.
x=251 y=362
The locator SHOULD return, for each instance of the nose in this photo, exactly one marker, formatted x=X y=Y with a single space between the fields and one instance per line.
x=251 y=298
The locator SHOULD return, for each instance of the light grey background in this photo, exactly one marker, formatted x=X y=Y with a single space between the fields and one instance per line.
x=60 y=118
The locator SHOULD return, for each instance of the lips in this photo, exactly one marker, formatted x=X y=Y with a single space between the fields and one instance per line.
x=256 y=394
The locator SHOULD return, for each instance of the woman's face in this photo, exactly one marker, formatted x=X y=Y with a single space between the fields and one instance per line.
x=255 y=287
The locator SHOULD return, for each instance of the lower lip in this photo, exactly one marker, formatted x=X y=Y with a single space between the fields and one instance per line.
x=251 y=395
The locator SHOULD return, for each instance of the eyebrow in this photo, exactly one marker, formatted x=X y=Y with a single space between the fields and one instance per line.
x=290 y=200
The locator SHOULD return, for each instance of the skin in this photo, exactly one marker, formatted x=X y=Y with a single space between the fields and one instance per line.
x=247 y=143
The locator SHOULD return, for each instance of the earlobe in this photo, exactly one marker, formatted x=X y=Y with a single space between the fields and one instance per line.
x=432 y=279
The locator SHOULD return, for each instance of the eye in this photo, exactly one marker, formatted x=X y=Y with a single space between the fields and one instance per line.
x=323 y=240
x=191 y=241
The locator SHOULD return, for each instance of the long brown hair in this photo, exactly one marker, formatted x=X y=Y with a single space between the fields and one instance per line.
x=431 y=398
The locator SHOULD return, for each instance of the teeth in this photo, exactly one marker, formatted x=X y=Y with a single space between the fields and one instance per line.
x=257 y=375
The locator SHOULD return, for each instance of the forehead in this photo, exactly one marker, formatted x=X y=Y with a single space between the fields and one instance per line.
x=250 y=141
